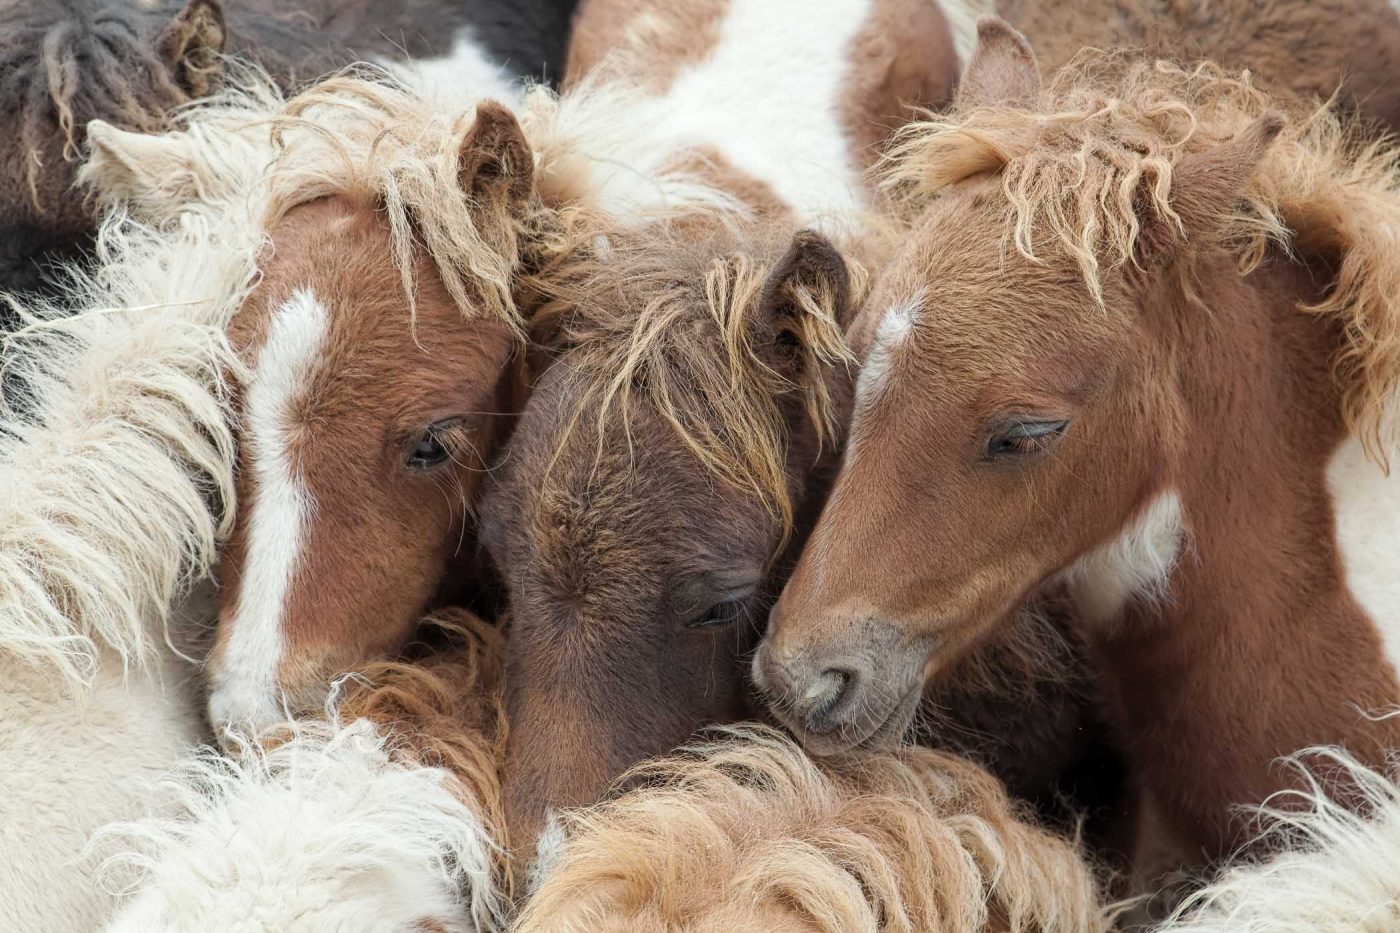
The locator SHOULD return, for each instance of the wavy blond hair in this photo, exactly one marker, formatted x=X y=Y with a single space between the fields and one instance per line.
x=362 y=134
x=1085 y=163
x=446 y=710
x=748 y=833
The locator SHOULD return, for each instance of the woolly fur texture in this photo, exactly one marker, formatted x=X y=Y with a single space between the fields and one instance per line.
x=748 y=833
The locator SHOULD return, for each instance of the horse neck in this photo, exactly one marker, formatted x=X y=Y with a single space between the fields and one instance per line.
x=1268 y=636
x=834 y=85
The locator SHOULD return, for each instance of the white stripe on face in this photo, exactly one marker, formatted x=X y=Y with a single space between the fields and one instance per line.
x=893 y=331
x=245 y=682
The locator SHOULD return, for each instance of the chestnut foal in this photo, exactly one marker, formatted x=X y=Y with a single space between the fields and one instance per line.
x=1143 y=346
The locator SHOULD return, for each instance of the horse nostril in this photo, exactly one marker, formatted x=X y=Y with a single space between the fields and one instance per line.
x=825 y=694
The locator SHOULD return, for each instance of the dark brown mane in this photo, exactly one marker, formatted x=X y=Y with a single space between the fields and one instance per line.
x=667 y=318
x=84 y=59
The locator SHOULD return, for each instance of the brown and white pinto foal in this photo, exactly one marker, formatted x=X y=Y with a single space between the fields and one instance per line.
x=382 y=346
x=1144 y=345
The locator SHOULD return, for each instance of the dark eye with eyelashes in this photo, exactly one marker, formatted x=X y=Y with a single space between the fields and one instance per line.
x=1019 y=437
x=720 y=615
x=434 y=447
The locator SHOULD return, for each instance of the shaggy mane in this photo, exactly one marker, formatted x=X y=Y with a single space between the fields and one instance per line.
x=748 y=833
x=668 y=317
x=446 y=710
x=1335 y=866
x=392 y=802
x=1097 y=151
x=369 y=137
x=116 y=464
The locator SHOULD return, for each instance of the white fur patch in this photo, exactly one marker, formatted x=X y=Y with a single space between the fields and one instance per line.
x=464 y=76
x=1366 y=504
x=245 y=671
x=549 y=848
x=325 y=832
x=71 y=761
x=1339 y=870
x=790 y=136
x=962 y=16
x=892 y=333
x=1135 y=564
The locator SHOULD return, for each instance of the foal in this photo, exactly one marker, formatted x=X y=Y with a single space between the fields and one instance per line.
x=627 y=620
x=381 y=353
x=1142 y=346
x=64 y=63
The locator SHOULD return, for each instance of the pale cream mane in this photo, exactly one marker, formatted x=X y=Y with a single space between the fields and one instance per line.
x=1096 y=154
x=749 y=833
x=361 y=135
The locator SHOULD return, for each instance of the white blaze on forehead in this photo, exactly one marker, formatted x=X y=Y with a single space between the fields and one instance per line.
x=1366 y=507
x=892 y=333
x=245 y=681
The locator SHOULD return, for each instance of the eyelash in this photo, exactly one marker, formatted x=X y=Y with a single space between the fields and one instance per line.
x=1024 y=437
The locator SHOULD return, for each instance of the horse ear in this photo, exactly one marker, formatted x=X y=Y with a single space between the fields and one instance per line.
x=1207 y=184
x=803 y=304
x=191 y=44
x=1002 y=71
x=148 y=170
x=494 y=164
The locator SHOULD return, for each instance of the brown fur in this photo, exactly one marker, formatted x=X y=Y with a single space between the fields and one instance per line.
x=660 y=465
x=749 y=834
x=64 y=63
x=422 y=329
x=675 y=384
x=1129 y=249
x=891 y=72
x=670 y=455
x=1307 y=48
x=444 y=708
x=383 y=535
x=640 y=40
x=902 y=60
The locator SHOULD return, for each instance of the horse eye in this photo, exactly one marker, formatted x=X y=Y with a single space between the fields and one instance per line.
x=720 y=615
x=1017 y=438
x=430 y=450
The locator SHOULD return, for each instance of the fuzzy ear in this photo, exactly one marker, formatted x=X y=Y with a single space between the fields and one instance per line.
x=803 y=303
x=146 y=170
x=494 y=163
x=1207 y=184
x=1002 y=71
x=191 y=44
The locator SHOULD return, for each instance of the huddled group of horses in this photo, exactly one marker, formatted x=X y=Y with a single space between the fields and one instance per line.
x=699 y=465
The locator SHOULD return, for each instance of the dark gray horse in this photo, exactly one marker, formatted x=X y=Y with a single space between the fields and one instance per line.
x=65 y=62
